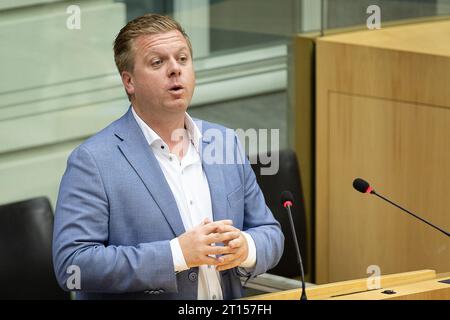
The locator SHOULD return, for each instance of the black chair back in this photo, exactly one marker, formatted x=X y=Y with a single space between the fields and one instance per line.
x=26 y=267
x=287 y=178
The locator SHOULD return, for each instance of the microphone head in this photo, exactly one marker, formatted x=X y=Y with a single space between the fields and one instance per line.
x=287 y=199
x=362 y=185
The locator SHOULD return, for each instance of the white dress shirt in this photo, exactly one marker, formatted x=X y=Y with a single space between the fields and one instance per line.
x=190 y=188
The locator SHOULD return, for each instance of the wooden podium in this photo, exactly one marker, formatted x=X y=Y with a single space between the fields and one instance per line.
x=383 y=114
x=416 y=285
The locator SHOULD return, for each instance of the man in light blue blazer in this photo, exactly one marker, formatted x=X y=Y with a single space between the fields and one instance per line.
x=146 y=209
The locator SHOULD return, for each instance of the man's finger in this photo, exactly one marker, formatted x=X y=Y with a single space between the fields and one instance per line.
x=211 y=261
x=236 y=243
x=206 y=221
x=221 y=237
x=232 y=264
x=210 y=227
x=219 y=250
x=229 y=258
x=226 y=228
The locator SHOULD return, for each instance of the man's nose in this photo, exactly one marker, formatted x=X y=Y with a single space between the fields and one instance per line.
x=174 y=68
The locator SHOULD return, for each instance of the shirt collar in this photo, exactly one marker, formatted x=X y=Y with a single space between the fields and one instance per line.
x=152 y=137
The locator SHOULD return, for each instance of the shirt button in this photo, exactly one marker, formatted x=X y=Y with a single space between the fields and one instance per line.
x=191 y=202
x=214 y=297
x=162 y=147
x=170 y=158
x=193 y=276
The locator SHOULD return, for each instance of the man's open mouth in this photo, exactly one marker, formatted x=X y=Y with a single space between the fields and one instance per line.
x=176 y=88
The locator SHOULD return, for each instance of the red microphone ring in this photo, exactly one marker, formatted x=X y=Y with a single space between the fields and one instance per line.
x=287 y=203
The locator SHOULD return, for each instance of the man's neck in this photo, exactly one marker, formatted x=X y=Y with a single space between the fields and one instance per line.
x=168 y=127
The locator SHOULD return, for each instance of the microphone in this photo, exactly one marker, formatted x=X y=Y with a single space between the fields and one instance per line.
x=287 y=200
x=364 y=187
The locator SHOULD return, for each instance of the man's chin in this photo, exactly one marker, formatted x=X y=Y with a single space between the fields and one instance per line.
x=177 y=106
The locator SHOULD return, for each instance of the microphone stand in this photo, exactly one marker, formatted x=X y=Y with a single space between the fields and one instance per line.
x=414 y=215
x=299 y=257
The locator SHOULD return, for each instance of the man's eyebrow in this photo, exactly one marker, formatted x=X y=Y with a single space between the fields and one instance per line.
x=183 y=48
x=151 y=51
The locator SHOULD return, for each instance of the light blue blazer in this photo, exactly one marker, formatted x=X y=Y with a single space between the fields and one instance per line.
x=116 y=215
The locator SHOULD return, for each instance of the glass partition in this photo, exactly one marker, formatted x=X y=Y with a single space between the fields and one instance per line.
x=337 y=14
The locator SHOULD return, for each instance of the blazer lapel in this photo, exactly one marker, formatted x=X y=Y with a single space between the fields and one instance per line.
x=138 y=153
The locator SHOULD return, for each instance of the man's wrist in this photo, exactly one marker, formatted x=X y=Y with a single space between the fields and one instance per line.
x=179 y=263
x=250 y=261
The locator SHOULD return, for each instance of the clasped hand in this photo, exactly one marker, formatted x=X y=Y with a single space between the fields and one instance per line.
x=199 y=245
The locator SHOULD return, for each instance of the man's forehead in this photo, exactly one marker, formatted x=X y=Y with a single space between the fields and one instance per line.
x=152 y=42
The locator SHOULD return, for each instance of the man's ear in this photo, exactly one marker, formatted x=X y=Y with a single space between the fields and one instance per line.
x=128 y=83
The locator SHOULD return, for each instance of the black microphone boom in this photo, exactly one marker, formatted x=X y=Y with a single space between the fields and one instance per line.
x=287 y=200
x=363 y=186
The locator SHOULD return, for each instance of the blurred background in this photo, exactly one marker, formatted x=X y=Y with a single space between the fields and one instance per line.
x=59 y=85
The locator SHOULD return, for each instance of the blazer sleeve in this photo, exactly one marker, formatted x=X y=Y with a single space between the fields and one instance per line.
x=259 y=221
x=80 y=239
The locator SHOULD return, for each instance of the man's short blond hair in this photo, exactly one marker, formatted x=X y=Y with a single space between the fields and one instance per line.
x=147 y=24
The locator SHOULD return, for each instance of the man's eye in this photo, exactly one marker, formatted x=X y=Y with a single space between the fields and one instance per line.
x=183 y=58
x=157 y=62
